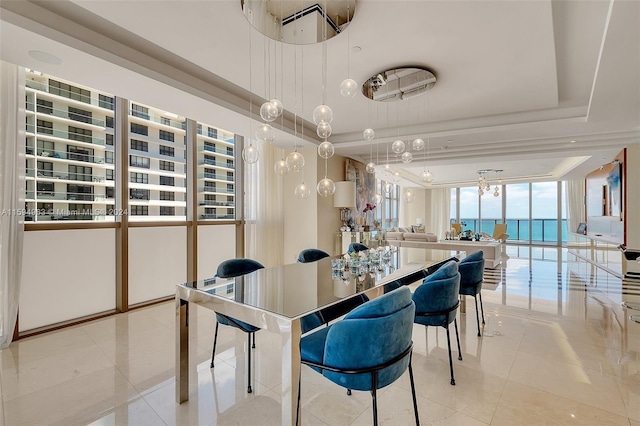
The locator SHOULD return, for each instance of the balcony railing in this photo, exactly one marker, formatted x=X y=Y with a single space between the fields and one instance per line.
x=216 y=190
x=217 y=203
x=74 y=156
x=544 y=230
x=49 y=174
x=218 y=177
x=64 y=135
x=217 y=216
x=68 y=196
x=218 y=151
x=161 y=120
x=218 y=164
x=65 y=114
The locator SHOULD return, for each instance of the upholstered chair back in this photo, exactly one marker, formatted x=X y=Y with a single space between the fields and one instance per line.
x=370 y=335
x=438 y=294
x=471 y=270
x=311 y=255
x=237 y=267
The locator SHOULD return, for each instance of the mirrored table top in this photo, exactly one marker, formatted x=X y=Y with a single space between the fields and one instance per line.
x=294 y=290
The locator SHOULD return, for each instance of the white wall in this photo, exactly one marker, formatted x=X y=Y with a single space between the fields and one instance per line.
x=409 y=212
x=66 y=274
x=216 y=243
x=157 y=262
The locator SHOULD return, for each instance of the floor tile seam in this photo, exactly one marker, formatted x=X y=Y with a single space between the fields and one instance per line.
x=146 y=401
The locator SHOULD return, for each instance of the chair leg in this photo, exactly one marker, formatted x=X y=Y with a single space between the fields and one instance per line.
x=348 y=391
x=298 y=405
x=481 y=307
x=249 y=390
x=413 y=393
x=374 y=380
x=215 y=340
x=455 y=324
x=477 y=315
x=453 y=381
x=254 y=339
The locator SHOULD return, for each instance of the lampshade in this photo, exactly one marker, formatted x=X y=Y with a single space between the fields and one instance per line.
x=345 y=195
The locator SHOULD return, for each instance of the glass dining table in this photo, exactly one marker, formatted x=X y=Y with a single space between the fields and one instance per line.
x=292 y=299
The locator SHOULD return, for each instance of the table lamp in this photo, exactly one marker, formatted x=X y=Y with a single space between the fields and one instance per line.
x=345 y=199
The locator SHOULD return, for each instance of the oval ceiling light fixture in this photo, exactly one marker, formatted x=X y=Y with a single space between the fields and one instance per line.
x=45 y=57
x=298 y=22
x=398 y=84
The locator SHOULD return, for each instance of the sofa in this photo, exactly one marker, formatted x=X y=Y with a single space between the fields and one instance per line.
x=492 y=250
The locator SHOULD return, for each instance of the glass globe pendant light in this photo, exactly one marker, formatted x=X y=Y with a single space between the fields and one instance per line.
x=302 y=191
x=348 y=88
x=407 y=157
x=322 y=113
x=378 y=198
x=264 y=132
x=426 y=176
x=250 y=154
x=417 y=144
x=295 y=161
x=371 y=167
x=269 y=111
x=326 y=187
x=326 y=150
x=278 y=106
x=368 y=134
x=281 y=168
x=397 y=146
x=324 y=130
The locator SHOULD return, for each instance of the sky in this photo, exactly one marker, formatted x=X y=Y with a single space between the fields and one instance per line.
x=544 y=202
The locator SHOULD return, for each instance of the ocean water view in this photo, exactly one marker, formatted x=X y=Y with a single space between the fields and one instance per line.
x=518 y=229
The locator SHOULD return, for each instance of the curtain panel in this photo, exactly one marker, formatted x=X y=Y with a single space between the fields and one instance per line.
x=264 y=207
x=12 y=192
x=439 y=211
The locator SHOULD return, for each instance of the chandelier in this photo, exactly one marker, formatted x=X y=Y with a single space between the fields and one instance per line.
x=484 y=186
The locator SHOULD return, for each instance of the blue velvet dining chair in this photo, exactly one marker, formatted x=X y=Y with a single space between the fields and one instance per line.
x=471 y=270
x=311 y=255
x=356 y=247
x=229 y=269
x=367 y=350
x=437 y=303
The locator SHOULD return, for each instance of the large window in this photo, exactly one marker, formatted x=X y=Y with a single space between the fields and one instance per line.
x=469 y=208
x=139 y=111
x=544 y=211
x=166 y=136
x=517 y=211
x=490 y=210
x=140 y=129
x=138 y=177
x=139 y=145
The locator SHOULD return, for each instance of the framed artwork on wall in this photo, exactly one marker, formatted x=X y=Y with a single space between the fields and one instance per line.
x=365 y=184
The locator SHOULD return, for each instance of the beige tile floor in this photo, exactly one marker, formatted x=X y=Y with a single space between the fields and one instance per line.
x=557 y=349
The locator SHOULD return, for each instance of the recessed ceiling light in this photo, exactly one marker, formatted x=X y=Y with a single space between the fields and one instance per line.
x=356 y=49
x=573 y=141
x=45 y=57
x=449 y=141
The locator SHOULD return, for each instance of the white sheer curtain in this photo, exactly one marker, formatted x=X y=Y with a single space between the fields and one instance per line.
x=264 y=207
x=575 y=203
x=438 y=210
x=12 y=161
